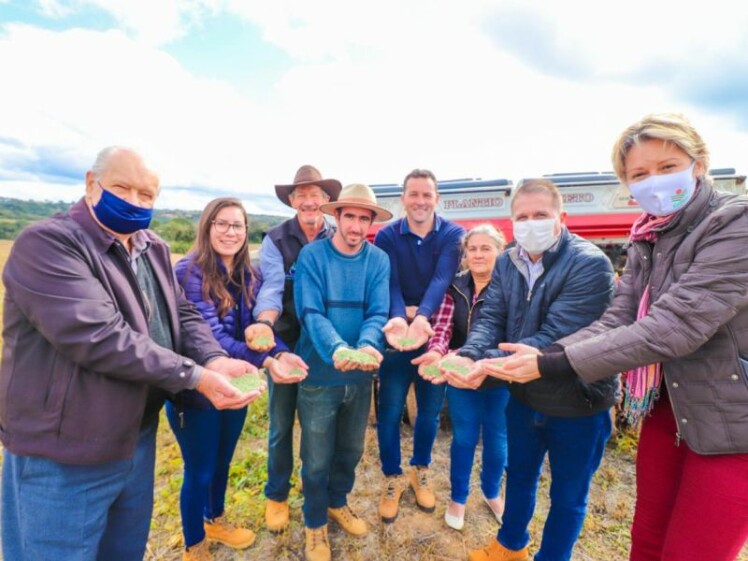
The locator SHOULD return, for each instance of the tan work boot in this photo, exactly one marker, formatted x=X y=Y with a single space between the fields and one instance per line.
x=317 y=546
x=218 y=530
x=198 y=552
x=389 y=504
x=497 y=552
x=418 y=477
x=276 y=515
x=349 y=520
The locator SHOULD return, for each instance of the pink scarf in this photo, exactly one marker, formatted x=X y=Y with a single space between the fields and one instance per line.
x=642 y=384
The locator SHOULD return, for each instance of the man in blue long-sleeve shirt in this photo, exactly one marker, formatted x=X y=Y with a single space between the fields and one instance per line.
x=342 y=301
x=424 y=251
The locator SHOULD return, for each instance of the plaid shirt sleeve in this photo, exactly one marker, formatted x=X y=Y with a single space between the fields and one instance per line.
x=442 y=324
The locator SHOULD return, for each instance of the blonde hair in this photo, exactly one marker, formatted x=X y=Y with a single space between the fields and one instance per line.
x=672 y=128
x=487 y=230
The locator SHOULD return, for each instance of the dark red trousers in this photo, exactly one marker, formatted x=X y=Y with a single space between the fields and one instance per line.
x=689 y=507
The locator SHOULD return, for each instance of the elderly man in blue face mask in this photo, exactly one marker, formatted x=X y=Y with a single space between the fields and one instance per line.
x=548 y=286
x=96 y=332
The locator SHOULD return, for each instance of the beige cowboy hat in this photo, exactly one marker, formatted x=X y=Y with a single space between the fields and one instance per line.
x=360 y=196
x=308 y=175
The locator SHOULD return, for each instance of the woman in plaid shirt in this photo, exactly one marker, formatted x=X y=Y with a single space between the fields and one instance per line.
x=472 y=412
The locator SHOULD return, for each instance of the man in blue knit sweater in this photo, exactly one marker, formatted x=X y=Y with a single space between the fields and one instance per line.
x=342 y=301
x=424 y=250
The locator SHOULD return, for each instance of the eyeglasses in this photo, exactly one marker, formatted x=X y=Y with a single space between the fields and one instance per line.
x=222 y=226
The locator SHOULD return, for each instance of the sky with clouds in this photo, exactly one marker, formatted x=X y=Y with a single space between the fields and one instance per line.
x=229 y=97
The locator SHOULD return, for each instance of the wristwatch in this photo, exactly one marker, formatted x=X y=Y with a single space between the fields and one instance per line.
x=265 y=322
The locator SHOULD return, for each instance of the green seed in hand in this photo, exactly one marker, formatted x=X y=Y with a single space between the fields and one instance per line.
x=454 y=367
x=246 y=383
x=355 y=356
x=262 y=341
x=406 y=342
x=296 y=372
x=432 y=371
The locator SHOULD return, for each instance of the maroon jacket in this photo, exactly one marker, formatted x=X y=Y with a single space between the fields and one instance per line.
x=77 y=360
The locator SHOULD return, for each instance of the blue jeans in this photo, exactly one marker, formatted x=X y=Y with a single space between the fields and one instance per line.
x=395 y=376
x=282 y=413
x=333 y=426
x=53 y=511
x=207 y=439
x=476 y=412
x=575 y=447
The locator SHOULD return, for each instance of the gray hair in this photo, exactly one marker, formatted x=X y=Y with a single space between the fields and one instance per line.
x=487 y=230
x=102 y=158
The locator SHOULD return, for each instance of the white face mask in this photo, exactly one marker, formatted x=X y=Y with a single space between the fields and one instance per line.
x=664 y=194
x=535 y=236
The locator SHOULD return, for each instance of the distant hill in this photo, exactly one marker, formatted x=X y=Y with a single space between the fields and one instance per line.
x=177 y=227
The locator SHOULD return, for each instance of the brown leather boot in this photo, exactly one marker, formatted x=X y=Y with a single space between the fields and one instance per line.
x=418 y=477
x=198 y=552
x=349 y=520
x=218 y=530
x=317 y=546
x=276 y=515
x=389 y=504
x=497 y=552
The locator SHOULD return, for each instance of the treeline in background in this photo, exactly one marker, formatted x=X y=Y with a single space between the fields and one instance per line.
x=177 y=227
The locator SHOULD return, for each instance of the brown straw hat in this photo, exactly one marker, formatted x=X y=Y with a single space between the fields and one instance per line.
x=309 y=175
x=360 y=196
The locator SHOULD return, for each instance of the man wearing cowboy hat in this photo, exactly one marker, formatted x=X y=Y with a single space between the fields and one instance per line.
x=342 y=301
x=275 y=313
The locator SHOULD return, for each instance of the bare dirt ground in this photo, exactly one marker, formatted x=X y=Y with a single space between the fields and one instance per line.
x=414 y=535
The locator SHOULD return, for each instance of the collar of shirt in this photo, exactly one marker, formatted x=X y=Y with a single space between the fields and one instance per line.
x=140 y=244
x=534 y=268
x=405 y=229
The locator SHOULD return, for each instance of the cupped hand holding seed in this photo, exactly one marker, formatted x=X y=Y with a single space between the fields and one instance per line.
x=259 y=337
x=418 y=334
x=427 y=367
x=288 y=369
x=461 y=371
x=394 y=330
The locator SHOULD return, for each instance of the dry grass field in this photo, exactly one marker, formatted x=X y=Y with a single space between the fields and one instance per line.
x=414 y=536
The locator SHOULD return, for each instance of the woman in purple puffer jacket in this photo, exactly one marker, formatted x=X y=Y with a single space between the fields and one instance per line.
x=218 y=278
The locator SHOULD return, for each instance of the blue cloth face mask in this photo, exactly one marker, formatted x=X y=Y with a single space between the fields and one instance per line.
x=120 y=216
x=665 y=194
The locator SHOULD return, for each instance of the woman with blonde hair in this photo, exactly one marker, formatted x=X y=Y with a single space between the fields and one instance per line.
x=678 y=328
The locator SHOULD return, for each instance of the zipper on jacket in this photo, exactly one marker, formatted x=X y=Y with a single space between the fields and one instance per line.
x=238 y=334
x=678 y=436
x=470 y=305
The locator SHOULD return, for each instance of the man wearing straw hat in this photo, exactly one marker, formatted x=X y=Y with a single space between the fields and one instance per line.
x=342 y=301
x=275 y=314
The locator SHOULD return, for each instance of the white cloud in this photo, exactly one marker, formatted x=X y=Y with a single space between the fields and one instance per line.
x=377 y=89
